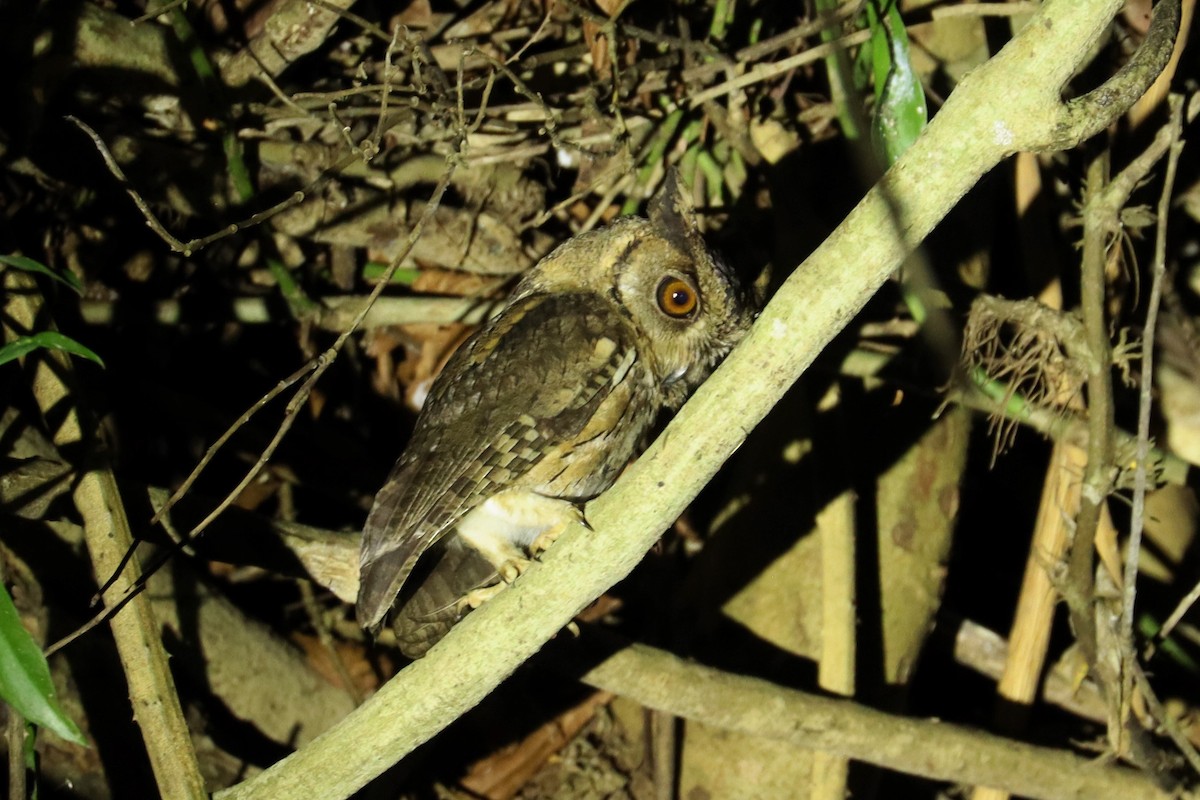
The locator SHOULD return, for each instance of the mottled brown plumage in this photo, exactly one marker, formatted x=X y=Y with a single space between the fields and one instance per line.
x=539 y=411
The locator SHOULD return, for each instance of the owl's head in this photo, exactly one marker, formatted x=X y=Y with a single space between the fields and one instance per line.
x=685 y=302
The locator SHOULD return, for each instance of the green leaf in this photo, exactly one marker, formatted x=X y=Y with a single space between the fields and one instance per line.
x=51 y=340
x=25 y=677
x=374 y=270
x=67 y=278
x=879 y=59
x=1171 y=648
x=900 y=109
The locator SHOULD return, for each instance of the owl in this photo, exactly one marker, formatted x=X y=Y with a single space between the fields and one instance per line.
x=539 y=411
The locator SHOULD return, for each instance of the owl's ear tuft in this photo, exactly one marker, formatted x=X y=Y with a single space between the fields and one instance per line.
x=672 y=213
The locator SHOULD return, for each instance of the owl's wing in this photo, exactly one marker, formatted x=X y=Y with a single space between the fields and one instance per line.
x=531 y=379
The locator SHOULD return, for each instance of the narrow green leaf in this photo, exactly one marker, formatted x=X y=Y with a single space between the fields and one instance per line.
x=374 y=270
x=66 y=278
x=25 y=677
x=1171 y=648
x=861 y=70
x=880 y=59
x=900 y=109
x=840 y=74
x=17 y=348
x=51 y=340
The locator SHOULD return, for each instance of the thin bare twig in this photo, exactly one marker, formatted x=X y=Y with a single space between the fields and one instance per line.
x=701 y=49
x=377 y=136
x=209 y=454
x=550 y=117
x=158 y=11
x=535 y=37
x=1079 y=586
x=1011 y=9
x=1137 y=517
x=763 y=72
x=190 y=247
x=1065 y=426
x=1158 y=272
x=317 y=368
x=1105 y=198
x=322 y=362
x=362 y=22
x=1164 y=718
x=1185 y=605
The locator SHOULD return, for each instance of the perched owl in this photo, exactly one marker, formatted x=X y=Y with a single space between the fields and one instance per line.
x=540 y=410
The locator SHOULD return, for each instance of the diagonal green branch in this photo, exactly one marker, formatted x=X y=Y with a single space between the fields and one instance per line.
x=1009 y=104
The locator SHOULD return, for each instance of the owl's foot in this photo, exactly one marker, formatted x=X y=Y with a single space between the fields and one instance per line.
x=509 y=571
x=512 y=569
x=549 y=536
x=475 y=599
x=542 y=543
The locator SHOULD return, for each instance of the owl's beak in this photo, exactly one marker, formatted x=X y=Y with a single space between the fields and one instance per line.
x=675 y=376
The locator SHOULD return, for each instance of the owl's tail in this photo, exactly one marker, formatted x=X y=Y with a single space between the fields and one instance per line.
x=435 y=596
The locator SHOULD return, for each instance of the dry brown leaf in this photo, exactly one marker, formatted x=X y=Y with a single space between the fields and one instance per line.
x=257 y=492
x=600 y=608
x=597 y=42
x=501 y=775
x=480 y=23
x=316 y=402
x=361 y=670
x=379 y=344
x=424 y=359
x=450 y=282
x=417 y=14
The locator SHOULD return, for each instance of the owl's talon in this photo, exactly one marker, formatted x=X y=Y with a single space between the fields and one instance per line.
x=512 y=569
x=509 y=572
x=478 y=597
x=542 y=543
x=549 y=536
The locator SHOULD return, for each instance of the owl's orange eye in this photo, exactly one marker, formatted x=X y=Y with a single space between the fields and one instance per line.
x=676 y=297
